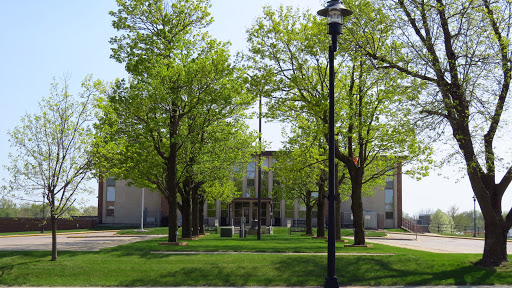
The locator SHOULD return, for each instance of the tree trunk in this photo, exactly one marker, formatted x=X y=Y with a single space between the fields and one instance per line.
x=489 y=200
x=195 y=211
x=201 y=215
x=173 y=218
x=309 y=210
x=320 y=216
x=172 y=197
x=54 y=236
x=186 y=223
x=357 y=211
x=495 y=247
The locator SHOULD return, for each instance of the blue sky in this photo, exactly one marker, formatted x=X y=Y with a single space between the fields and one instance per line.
x=45 y=39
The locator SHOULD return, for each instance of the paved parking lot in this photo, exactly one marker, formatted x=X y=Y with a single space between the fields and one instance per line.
x=71 y=242
x=434 y=243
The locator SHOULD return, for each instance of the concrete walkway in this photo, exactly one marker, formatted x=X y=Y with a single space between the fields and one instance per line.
x=89 y=241
x=434 y=243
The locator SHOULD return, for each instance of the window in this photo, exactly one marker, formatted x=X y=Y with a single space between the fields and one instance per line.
x=264 y=179
x=302 y=210
x=389 y=199
x=111 y=189
x=389 y=183
x=238 y=186
x=224 y=209
x=264 y=184
x=289 y=209
x=251 y=173
x=276 y=209
x=212 y=210
x=251 y=170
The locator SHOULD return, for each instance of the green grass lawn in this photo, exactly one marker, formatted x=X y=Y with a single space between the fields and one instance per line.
x=134 y=265
x=397 y=230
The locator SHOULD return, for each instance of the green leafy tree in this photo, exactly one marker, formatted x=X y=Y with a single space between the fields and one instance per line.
x=301 y=171
x=178 y=73
x=53 y=150
x=373 y=126
x=216 y=141
x=440 y=222
x=460 y=50
x=91 y=210
x=7 y=208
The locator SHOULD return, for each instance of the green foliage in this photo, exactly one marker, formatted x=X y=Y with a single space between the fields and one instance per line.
x=7 y=208
x=53 y=148
x=176 y=125
x=440 y=222
x=298 y=168
x=89 y=211
x=374 y=124
x=374 y=130
x=184 y=91
x=460 y=50
x=464 y=221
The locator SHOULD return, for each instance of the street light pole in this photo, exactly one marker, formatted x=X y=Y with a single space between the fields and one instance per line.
x=259 y=174
x=334 y=12
x=474 y=216
x=142 y=212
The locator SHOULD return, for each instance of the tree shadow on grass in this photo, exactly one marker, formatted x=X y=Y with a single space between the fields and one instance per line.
x=256 y=271
x=17 y=259
x=377 y=271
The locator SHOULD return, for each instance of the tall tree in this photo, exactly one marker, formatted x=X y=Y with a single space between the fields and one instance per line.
x=460 y=50
x=53 y=150
x=301 y=171
x=372 y=124
x=177 y=72
x=215 y=143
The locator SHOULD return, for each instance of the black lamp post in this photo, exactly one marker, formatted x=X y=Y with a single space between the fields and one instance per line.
x=259 y=174
x=334 y=11
x=474 y=216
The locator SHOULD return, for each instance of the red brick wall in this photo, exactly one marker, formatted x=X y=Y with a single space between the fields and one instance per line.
x=34 y=224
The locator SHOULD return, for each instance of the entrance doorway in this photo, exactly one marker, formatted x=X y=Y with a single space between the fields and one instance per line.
x=248 y=208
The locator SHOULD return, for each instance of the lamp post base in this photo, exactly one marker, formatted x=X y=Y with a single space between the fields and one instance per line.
x=331 y=282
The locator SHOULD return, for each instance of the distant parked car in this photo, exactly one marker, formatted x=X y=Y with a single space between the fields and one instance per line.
x=510 y=233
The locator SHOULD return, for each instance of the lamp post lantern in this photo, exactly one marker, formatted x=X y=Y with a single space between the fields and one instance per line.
x=334 y=12
x=474 y=216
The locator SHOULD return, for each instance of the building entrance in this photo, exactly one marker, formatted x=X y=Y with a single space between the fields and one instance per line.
x=248 y=208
